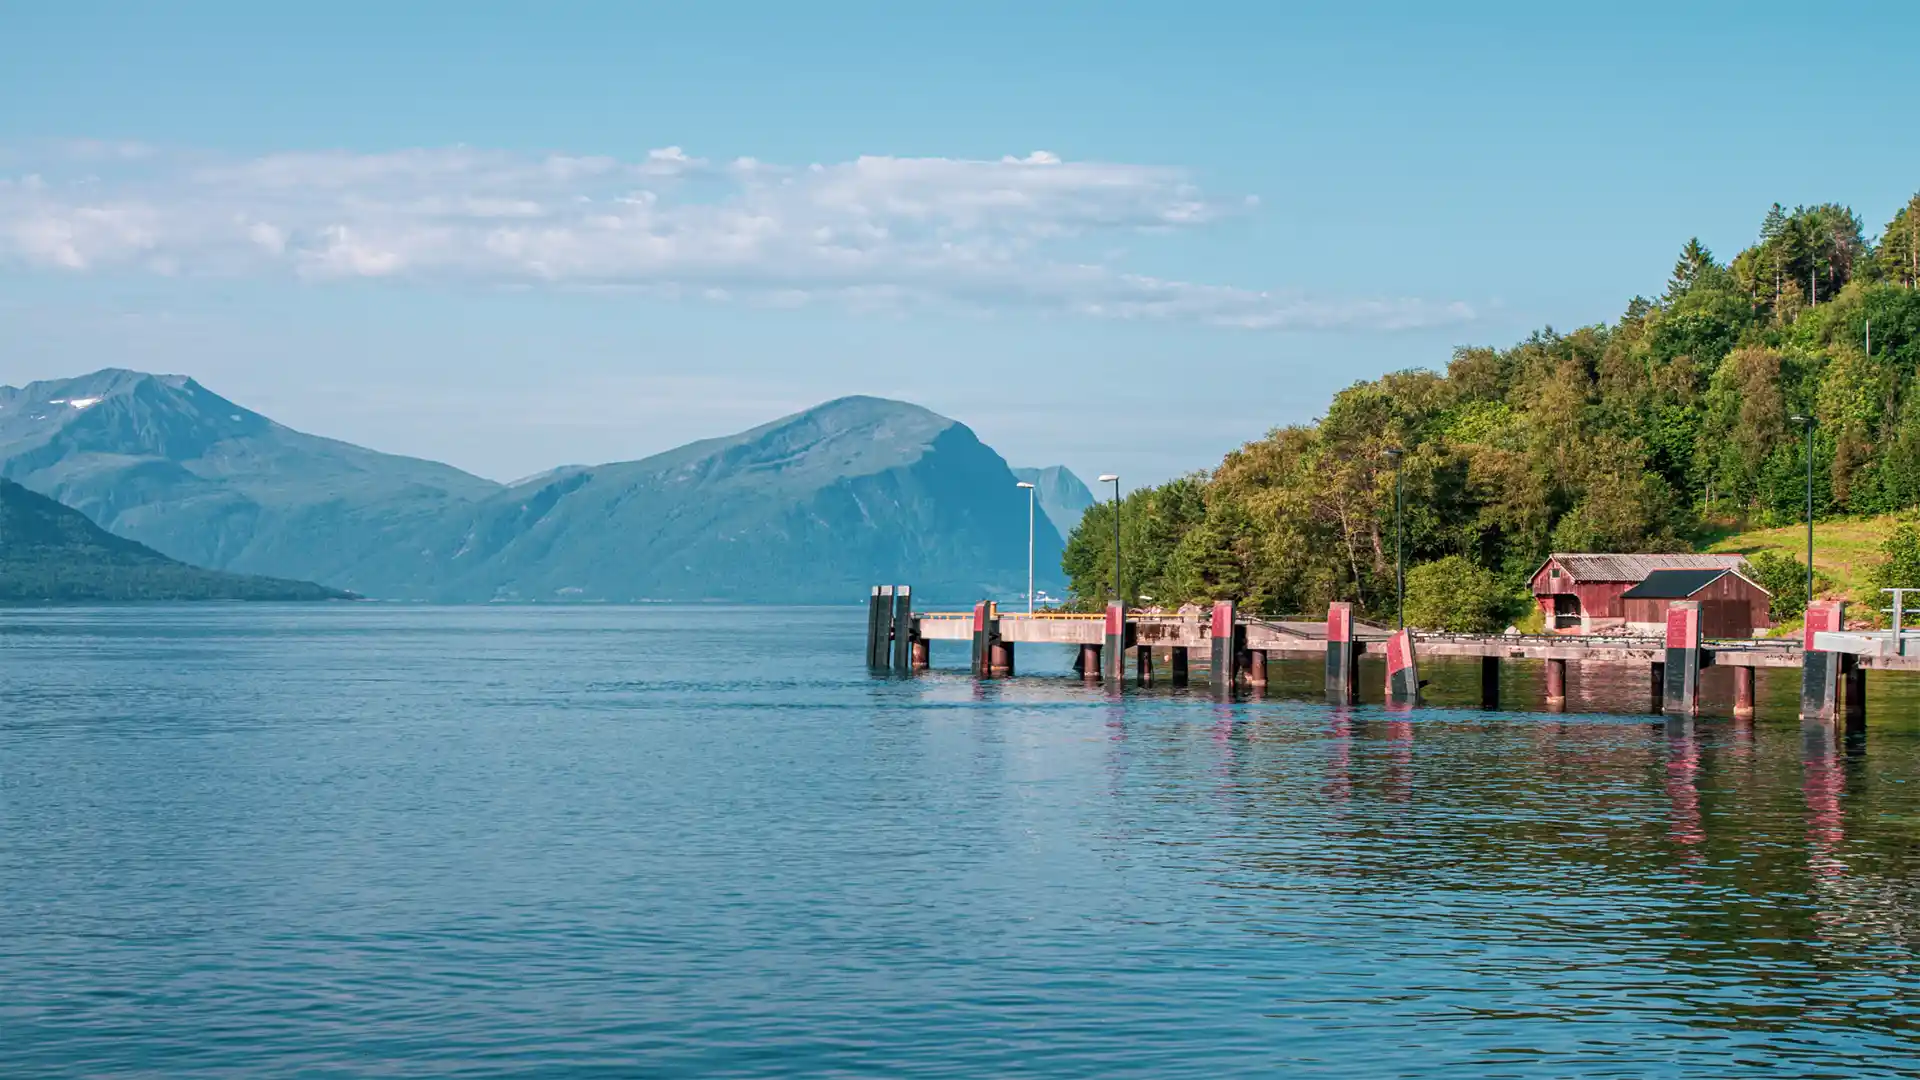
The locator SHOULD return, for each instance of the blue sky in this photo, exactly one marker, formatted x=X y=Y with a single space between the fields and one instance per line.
x=1125 y=237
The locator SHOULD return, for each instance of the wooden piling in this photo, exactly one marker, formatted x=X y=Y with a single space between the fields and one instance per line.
x=1490 y=683
x=902 y=629
x=873 y=629
x=999 y=657
x=1856 y=696
x=922 y=653
x=1177 y=665
x=1556 y=684
x=1657 y=691
x=1820 y=670
x=1257 y=668
x=1143 y=665
x=1743 y=693
x=1343 y=659
x=1403 y=674
x=1225 y=658
x=1680 y=691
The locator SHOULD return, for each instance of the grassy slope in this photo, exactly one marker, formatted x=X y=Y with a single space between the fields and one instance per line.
x=1845 y=550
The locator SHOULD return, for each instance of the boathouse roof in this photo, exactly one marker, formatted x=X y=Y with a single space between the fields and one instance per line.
x=1679 y=584
x=1584 y=567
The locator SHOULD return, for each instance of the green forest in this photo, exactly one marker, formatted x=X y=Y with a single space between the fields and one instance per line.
x=1670 y=426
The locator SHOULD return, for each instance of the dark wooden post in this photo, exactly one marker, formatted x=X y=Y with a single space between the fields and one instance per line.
x=1143 y=665
x=1743 y=693
x=1225 y=658
x=1116 y=643
x=1657 y=694
x=1556 y=685
x=1403 y=674
x=1820 y=670
x=873 y=629
x=1680 y=691
x=1856 y=698
x=1177 y=663
x=902 y=629
x=1343 y=660
x=1490 y=683
x=1257 y=668
x=1090 y=663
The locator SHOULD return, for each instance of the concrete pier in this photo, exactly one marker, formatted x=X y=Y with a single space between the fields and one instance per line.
x=1403 y=674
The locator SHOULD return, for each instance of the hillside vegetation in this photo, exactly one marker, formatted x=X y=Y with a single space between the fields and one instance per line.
x=1621 y=437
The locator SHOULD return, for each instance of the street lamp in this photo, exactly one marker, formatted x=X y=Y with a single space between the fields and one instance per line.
x=1030 y=497
x=1807 y=422
x=1399 y=562
x=1110 y=478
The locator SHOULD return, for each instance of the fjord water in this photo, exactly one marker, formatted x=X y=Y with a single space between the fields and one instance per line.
x=364 y=840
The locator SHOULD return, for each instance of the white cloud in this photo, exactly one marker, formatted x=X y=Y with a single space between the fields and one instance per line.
x=874 y=232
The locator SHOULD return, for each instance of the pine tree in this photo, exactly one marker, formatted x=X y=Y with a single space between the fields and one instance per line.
x=1694 y=260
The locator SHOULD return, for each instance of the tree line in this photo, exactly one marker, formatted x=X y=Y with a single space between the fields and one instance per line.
x=1633 y=436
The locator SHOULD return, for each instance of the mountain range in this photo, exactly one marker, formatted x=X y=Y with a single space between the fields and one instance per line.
x=813 y=507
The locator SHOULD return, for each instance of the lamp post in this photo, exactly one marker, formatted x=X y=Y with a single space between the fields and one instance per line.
x=1807 y=422
x=1110 y=478
x=1399 y=545
x=1030 y=497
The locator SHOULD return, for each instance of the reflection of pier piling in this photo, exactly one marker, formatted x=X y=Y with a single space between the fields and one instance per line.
x=1833 y=663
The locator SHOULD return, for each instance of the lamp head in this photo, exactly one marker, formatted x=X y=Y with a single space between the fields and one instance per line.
x=1798 y=419
x=1024 y=484
x=1107 y=478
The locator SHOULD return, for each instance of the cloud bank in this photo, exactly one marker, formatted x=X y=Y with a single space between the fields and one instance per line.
x=875 y=232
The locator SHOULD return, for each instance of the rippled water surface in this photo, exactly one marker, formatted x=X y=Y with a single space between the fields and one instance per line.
x=358 y=840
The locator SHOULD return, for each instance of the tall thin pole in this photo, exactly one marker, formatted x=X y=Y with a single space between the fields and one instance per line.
x=1030 y=551
x=1118 y=594
x=1399 y=549
x=1809 y=511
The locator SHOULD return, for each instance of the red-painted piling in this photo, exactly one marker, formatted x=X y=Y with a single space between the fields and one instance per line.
x=1115 y=645
x=1225 y=656
x=1089 y=663
x=1743 y=693
x=982 y=661
x=1256 y=661
x=1680 y=689
x=1343 y=659
x=1556 y=685
x=1820 y=670
x=1403 y=674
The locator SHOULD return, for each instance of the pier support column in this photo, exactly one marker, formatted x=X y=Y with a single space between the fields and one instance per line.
x=903 y=626
x=1556 y=685
x=1680 y=691
x=922 y=653
x=1856 y=697
x=1743 y=693
x=1089 y=663
x=1177 y=663
x=999 y=657
x=1343 y=659
x=1116 y=644
x=986 y=631
x=1658 y=692
x=1820 y=671
x=1490 y=683
x=1226 y=652
x=1143 y=665
x=1403 y=674
x=1257 y=668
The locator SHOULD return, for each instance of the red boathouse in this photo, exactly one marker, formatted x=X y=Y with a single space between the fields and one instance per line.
x=1583 y=593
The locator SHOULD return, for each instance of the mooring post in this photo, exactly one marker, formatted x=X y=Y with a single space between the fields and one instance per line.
x=1743 y=693
x=1403 y=674
x=1856 y=699
x=1490 y=683
x=873 y=629
x=1089 y=665
x=1343 y=660
x=1143 y=665
x=902 y=629
x=1680 y=691
x=1820 y=670
x=1177 y=664
x=1556 y=684
x=1000 y=655
x=1257 y=668
x=982 y=662
x=1116 y=643
x=1225 y=658
x=922 y=649
x=1658 y=683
